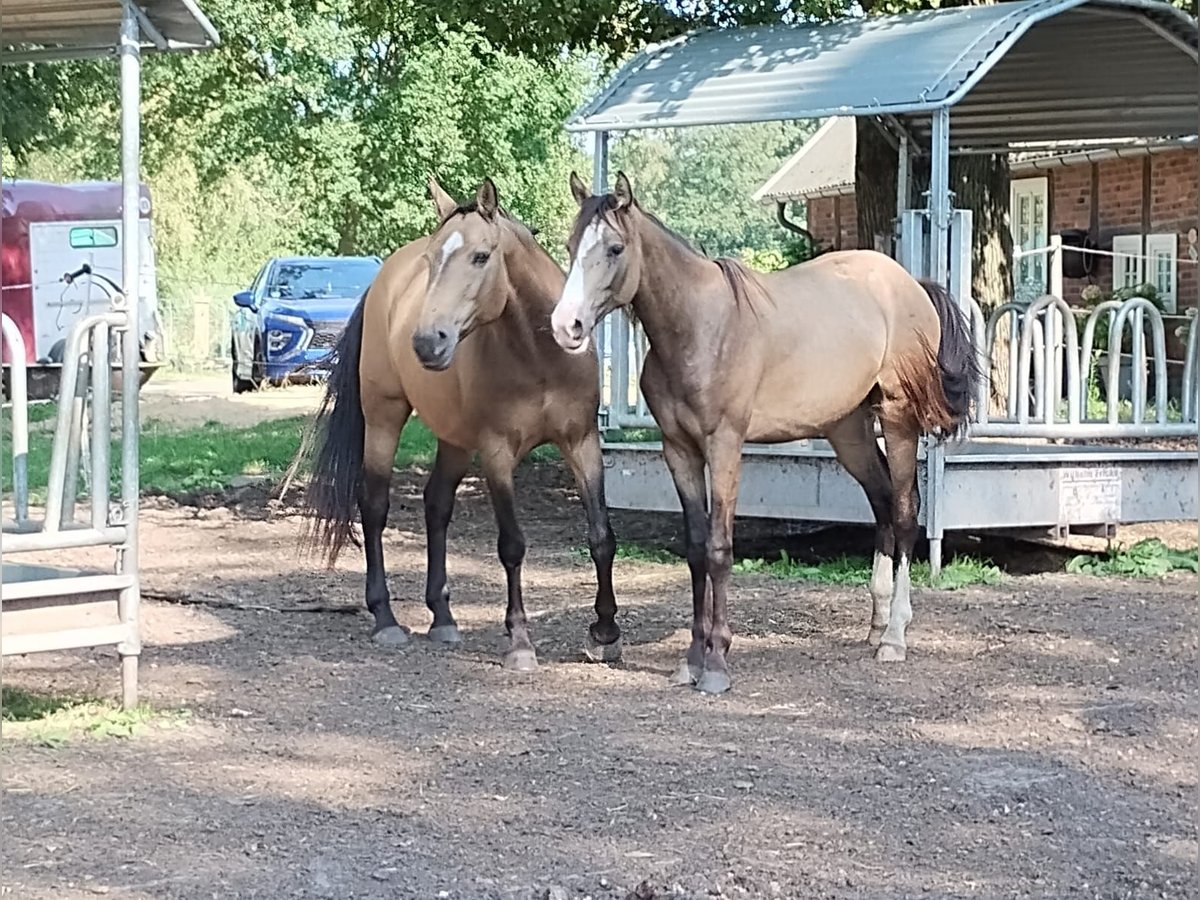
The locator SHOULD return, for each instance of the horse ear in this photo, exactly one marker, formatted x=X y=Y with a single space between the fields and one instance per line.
x=485 y=199
x=442 y=202
x=623 y=191
x=579 y=190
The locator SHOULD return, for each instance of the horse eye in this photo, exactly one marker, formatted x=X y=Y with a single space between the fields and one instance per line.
x=481 y=258
x=615 y=250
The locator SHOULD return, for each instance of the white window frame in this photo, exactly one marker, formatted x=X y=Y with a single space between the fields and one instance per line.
x=1034 y=188
x=1164 y=245
x=1127 y=261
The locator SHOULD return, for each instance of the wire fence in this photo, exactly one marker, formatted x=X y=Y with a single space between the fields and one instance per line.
x=196 y=329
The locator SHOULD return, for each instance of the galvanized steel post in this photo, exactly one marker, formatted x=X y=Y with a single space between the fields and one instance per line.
x=130 y=596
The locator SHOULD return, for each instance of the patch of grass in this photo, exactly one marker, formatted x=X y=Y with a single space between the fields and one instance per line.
x=177 y=460
x=1149 y=558
x=632 y=435
x=962 y=571
x=53 y=720
x=638 y=553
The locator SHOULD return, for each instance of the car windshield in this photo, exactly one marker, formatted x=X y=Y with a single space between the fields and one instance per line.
x=310 y=280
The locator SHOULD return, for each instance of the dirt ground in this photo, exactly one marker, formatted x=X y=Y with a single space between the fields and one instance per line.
x=1040 y=741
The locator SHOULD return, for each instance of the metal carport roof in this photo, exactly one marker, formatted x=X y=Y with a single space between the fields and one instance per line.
x=1020 y=72
x=43 y=30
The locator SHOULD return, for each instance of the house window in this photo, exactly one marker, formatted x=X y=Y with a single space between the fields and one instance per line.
x=1028 y=205
x=1160 y=253
x=1149 y=259
x=1127 y=261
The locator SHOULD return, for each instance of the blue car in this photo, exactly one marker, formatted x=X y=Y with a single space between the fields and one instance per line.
x=285 y=326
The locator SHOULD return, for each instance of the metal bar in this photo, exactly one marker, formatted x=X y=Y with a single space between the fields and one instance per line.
x=127 y=560
x=61 y=587
x=1085 y=430
x=939 y=198
x=903 y=173
x=1137 y=308
x=1191 y=385
x=156 y=36
x=600 y=163
x=101 y=425
x=74 y=445
x=69 y=639
x=19 y=389
x=69 y=377
x=66 y=539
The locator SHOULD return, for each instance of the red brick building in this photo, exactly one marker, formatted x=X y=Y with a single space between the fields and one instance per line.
x=1139 y=202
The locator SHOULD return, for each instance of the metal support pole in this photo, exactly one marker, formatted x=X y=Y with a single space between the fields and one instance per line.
x=101 y=427
x=939 y=272
x=127 y=561
x=939 y=199
x=903 y=173
x=600 y=163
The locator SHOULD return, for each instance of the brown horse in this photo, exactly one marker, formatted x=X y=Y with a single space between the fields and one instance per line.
x=822 y=348
x=454 y=328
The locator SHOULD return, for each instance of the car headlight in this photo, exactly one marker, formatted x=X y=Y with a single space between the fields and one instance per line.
x=277 y=340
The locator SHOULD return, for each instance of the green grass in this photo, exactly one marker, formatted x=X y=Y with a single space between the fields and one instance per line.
x=1149 y=558
x=963 y=571
x=53 y=720
x=177 y=460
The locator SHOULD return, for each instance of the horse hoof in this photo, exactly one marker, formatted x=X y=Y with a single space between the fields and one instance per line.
x=686 y=675
x=392 y=636
x=602 y=653
x=521 y=661
x=714 y=682
x=875 y=635
x=889 y=653
x=447 y=635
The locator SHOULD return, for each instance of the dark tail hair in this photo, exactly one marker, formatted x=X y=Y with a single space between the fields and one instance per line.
x=331 y=499
x=957 y=363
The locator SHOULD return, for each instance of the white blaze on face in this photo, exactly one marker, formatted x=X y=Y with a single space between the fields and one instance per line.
x=452 y=243
x=571 y=305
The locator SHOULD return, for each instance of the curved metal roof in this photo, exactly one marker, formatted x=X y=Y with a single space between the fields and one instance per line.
x=1017 y=72
x=44 y=30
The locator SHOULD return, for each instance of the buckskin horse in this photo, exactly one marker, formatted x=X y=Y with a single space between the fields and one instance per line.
x=454 y=327
x=823 y=348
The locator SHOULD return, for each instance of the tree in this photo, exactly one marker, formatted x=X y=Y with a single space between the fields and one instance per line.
x=702 y=180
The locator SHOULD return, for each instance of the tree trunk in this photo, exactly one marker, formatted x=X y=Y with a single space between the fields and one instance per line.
x=874 y=186
x=980 y=184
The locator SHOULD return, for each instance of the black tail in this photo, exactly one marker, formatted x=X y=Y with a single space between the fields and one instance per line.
x=331 y=499
x=956 y=359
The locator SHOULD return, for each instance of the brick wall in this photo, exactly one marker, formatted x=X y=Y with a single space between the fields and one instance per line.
x=822 y=223
x=1120 y=205
x=1174 y=200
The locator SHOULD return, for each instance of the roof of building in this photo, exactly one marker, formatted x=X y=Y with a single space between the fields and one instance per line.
x=66 y=29
x=1028 y=70
x=824 y=166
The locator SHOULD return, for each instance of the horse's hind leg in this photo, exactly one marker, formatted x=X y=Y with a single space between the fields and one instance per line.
x=498 y=465
x=379 y=453
x=853 y=441
x=448 y=470
x=900 y=435
x=587 y=464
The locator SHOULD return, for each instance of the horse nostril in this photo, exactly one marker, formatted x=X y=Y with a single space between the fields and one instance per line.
x=577 y=327
x=442 y=335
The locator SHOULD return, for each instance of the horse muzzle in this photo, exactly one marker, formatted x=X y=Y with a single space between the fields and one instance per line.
x=435 y=348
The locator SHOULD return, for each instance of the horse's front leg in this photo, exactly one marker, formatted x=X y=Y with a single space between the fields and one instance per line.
x=686 y=464
x=587 y=463
x=449 y=467
x=725 y=463
x=498 y=466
